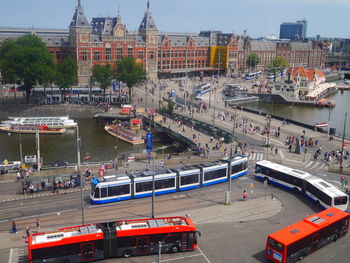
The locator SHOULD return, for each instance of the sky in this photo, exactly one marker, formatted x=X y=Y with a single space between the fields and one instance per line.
x=328 y=18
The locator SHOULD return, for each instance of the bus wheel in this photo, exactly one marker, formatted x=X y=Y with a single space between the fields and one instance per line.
x=65 y=260
x=175 y=249
x=301 y=256
x=266 y=180
x=296 y=190
x=318 y=205
x=127 y=253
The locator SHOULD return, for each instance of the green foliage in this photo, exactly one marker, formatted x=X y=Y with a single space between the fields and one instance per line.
x=279 y=64
x=169 y=110
x=26 y=60
x=130 y=72
x=66 y=73
x=253 y=60
x=103 y=75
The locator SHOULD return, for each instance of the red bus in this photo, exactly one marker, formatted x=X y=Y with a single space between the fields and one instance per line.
x=113 y=239
x=296 y=241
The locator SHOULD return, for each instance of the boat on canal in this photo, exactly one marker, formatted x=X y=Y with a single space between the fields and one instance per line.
x=50 y=122
x=123 y=134
x=32 y=129
x=321 y=125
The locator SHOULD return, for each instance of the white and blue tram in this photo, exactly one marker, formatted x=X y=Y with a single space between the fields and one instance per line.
x=117 y=188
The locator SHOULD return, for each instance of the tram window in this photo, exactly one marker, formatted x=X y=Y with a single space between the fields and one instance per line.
x=215 y=174
x=118 y=190
x=165 y=183
x=97 y=192
x=142 y=187
x=237 y=168
x=104 y=192
x=189 y=179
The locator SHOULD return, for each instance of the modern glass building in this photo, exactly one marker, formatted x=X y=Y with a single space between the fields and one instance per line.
x=295 y=30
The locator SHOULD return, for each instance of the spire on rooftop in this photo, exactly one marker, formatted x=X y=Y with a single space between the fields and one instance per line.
x=147 y=21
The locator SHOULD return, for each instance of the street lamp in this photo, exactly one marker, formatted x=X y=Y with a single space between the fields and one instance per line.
x=80 y=176
x=153 y=190
x=342 y=144
x=228 y=195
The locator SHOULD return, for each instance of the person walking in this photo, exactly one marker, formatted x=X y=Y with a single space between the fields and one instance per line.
x=37 y=225
x=244 y=195
x=28 y=232
x=14 y=227
x=162 y=164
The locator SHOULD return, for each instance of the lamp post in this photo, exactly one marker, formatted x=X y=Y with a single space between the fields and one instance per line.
x=228 y=194
x=342 y=144
x=153 y=190
x=80 y=176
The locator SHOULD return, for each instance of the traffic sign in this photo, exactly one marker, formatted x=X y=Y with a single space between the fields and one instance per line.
x=344 y=145
x=149 y=142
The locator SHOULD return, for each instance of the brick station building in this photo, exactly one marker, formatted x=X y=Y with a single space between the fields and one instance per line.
x=106 y=40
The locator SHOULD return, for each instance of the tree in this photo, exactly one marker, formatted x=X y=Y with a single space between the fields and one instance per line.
x=279 y=64
x=253 y=60
x=103 y=75
x=26 y=60
x=130 y=72
x=66 y=73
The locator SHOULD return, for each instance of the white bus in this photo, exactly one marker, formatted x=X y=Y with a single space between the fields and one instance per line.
x=322 y=193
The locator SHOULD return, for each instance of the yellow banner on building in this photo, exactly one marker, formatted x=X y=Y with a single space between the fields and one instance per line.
x=218 y=57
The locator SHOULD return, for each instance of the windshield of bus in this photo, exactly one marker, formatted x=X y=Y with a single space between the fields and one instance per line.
x=341 y=200
x=276 y=245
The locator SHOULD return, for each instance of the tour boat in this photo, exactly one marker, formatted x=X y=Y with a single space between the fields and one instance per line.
x=30 y=129
x=321 y=124
x=123 y=134
x=51 y=122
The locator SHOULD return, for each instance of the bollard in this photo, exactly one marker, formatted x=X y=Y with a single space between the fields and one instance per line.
x=271 y=196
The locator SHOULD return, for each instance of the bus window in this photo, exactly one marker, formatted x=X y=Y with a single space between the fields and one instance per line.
x=275 y=244
x=342 y=200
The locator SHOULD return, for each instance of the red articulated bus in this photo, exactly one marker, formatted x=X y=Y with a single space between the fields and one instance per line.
x=296 y=241
x=127 y=238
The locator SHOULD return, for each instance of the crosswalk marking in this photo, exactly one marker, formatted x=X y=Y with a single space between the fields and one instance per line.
x=315 y=165
x=17 y=255
x=256 y=156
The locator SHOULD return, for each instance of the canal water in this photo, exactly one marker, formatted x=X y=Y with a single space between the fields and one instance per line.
x=312 y=115
x=96 y=143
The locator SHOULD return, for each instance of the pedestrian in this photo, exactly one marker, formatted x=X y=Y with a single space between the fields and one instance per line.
x=37 y=225
x=18 y=177
x=290 y=148
x=14 y=228
x=162 y=164
x=276 y=150
x=27 y=232
x=251 y=186
x=244 y=195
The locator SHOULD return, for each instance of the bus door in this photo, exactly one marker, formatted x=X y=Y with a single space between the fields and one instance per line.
x=187 y=241
x=314 y=241
x=87 y=252
x=142 y=245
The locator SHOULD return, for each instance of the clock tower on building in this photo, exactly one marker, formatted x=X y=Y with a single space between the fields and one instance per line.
x=149 y=32
x=80 y=44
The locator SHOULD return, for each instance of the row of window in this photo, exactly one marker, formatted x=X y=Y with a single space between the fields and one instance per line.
x=323 y=235
x=182 y=53
x=319 y=194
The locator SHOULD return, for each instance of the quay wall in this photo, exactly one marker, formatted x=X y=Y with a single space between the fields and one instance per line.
x=71 y=110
